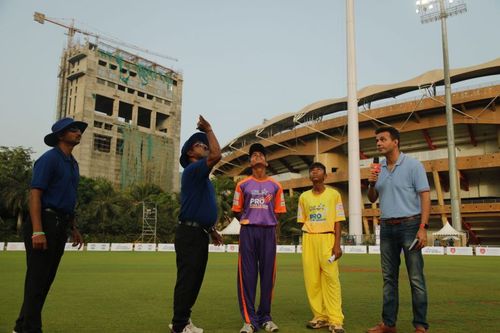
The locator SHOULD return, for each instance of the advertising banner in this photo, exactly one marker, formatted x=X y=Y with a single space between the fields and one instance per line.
x=285 y=248
x=98 y=247
x=459 y=251
x=357 y=249
x=145 y=247
x=15 y=246
x=166 y=247
x=433 y=250
x=487 y=251
x=213 y=248
x=122 y=246
x=232 y=248
x=70 y=247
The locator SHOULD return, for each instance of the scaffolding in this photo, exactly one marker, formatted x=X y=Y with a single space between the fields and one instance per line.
x=149 y=222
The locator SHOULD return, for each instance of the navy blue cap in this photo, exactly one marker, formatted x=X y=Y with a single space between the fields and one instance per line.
x=196 y=137
x=257 y=147
x=59 y=126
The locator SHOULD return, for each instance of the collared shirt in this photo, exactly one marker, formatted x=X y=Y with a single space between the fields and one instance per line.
x=399 y=189
x=57 y=175
x=198 y=202
x=259 y=201
x=320 y=212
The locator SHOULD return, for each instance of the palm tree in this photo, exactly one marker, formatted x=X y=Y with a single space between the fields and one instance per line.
x=224 y=191
x=287 y=227
x=15 y=176
x=106 y=207
x=142 y=192
x=137 y=195
x=168 y=214
x=15 y=194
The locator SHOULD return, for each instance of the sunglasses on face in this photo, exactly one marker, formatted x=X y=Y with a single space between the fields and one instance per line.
x=73 y=129
x=200 y=144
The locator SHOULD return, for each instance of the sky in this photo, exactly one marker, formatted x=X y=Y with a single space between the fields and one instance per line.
x=242 y=61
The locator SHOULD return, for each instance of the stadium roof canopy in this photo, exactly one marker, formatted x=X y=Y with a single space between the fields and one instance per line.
x=367 y=95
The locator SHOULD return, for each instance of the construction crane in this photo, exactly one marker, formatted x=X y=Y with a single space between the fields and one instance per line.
x=72 y=30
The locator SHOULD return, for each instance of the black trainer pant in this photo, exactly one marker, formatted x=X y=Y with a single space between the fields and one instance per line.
x=191 y=247
x=41 y=270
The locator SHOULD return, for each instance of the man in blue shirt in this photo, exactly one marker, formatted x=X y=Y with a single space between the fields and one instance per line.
x=197 y=218
x=52 y=217
x=403 y=189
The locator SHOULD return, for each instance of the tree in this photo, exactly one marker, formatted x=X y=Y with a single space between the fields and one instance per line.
x=168 y=215
x=224 y=191
x=143 y=192
x=139 y=193
x=288 y=228
x=15 y=176
x=101 y=211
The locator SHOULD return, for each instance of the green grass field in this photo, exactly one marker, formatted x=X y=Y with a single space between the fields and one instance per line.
x=132 y=292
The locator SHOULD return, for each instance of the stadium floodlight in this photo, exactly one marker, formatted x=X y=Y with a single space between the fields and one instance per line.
x=431 y=11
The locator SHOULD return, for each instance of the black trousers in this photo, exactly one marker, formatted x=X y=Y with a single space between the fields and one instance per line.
x=191 y=248
x=41 y=270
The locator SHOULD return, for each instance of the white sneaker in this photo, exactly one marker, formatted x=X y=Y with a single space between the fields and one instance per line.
x=336 y=329
x=189 y=328
x=193 y=328
x=247 y=328
x=270 y=326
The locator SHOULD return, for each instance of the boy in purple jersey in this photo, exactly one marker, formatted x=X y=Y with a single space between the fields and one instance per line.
x=257 y=202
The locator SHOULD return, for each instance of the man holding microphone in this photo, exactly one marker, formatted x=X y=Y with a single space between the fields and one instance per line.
x=401 y=183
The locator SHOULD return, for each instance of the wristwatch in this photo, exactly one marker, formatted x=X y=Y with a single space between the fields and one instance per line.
x=424 y=225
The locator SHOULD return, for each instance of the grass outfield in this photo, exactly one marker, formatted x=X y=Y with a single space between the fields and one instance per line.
x=132 y=292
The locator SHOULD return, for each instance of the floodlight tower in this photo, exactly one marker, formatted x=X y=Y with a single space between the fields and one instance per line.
x=355 y=214
x=431 y=11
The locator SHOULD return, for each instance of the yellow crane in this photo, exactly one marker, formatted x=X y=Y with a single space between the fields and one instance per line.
x=72 y=30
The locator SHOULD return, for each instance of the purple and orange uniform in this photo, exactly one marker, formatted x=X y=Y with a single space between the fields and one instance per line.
x=258 y=202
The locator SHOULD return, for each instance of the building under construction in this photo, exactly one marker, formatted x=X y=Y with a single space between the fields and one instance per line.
x=133 y=108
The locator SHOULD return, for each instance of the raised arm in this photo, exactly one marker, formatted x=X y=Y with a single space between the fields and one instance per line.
x=214 y=153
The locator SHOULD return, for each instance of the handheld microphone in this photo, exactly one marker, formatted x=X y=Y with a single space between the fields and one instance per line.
x=375 y=167
x=376 y=164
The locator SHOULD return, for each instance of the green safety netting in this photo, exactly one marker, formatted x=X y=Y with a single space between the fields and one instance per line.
x=120 y=62
x=146 y=158
x=145 y=74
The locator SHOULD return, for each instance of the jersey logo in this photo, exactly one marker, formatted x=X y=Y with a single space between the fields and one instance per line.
x=318 y=213
x=340 y=210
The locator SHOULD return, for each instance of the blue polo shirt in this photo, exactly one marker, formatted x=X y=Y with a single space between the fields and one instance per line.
x=57 y=175
x=399 y=190
x=198 y=202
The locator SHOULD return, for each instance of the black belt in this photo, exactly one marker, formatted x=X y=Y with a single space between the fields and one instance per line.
x=62 y=216
x=197 y=225
x=399 y=220
x=317 y=233
x=191 y=224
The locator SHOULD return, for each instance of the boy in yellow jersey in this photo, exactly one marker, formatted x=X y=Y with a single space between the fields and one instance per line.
x=321 y=211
